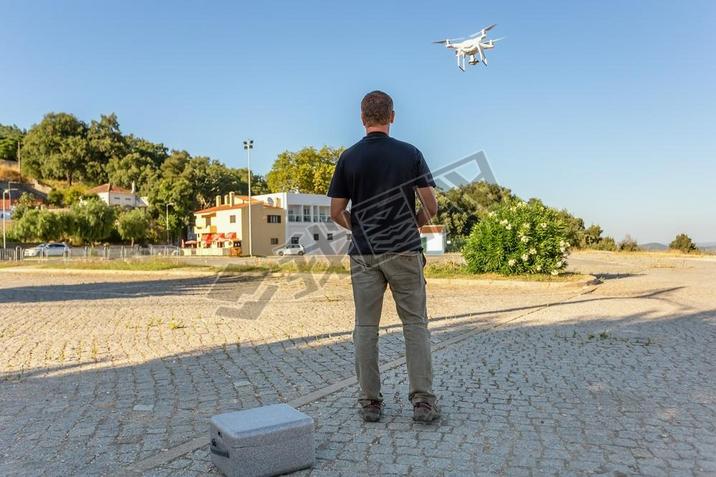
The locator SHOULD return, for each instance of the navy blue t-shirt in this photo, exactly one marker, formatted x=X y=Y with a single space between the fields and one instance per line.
x=379 y=175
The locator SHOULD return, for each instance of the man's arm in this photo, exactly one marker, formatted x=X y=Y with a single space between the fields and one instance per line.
x=429 y=205
x=339 y=214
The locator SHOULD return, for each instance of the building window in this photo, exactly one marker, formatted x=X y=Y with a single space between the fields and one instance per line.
x=315 y=237
x=323 y=215
x=232 y=219
x=208 y=221
x=329 y=236
x=294 y=240
x=274 y=241
x=294 y=213
x=273 y=219
x=307 y=213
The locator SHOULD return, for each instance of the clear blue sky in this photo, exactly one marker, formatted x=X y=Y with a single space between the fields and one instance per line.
x=607 y=108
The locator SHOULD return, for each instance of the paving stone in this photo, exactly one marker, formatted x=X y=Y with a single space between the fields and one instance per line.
x=617 y=380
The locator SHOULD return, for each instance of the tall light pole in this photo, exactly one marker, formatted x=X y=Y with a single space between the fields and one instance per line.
x=5 y=191
x=248 y=145
x=166 y=215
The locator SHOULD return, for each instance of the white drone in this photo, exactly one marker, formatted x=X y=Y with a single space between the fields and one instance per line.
x=473 y=47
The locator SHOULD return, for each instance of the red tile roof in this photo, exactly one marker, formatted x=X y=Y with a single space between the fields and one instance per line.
x=108 y=187
x=432 y=229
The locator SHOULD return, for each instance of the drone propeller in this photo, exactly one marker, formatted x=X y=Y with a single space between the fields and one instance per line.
x=448 y=40
x=492 y=41
x=484 y=30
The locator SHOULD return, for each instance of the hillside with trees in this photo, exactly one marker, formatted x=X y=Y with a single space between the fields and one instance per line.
x=70 y=156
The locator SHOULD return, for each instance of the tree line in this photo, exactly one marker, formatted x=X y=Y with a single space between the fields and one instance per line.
x=71 y=156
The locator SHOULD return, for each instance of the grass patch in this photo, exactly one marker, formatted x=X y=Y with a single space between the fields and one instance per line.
x=457 y=270
x=10 y=263
x=176 y=325
x=293 y=266
x=130 y=265
x=443 y=269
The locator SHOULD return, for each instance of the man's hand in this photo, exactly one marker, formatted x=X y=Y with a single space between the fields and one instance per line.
x=339 y=214
x=429 y=205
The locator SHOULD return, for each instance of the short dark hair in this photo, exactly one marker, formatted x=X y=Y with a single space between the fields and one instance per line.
x=376 y=107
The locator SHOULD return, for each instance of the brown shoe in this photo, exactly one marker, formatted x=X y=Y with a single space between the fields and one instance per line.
x=425 y=412
x=372 y=411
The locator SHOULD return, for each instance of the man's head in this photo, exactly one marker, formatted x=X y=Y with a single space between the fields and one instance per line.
x=377 y=110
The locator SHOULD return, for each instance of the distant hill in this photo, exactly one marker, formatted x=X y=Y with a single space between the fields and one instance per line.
x=707 y=246
x=653 y=246
x=657 y=246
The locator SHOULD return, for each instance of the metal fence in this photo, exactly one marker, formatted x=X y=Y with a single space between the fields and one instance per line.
x=108 y=252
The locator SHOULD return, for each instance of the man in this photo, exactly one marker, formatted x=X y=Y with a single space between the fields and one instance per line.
x=380 y=176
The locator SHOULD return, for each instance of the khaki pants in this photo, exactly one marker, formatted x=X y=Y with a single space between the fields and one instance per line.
x=404 y=273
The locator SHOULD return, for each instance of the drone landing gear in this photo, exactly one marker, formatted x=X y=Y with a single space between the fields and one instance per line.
x=461 y=62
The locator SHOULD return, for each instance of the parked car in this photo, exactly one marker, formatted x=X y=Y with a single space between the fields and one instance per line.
x=291 y=249
x=47 y=250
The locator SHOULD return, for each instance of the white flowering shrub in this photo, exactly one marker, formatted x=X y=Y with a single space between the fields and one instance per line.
x=518 y=237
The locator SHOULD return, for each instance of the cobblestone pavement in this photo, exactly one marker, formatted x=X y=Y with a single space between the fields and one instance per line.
x=552 y=380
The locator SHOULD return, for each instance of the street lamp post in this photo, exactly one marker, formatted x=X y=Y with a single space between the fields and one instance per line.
x=6 y=191
x=166 y=215
x=248 y=145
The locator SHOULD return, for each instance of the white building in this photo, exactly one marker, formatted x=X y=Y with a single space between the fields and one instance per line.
x=309 y=222
x=115 y=195
x=224 y=228
x=433 y=240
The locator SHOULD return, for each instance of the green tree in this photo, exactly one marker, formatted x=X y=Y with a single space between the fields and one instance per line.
x=10 y=138
x=93 y=220
x=178 y=192
x=574 y=227
x=25 y=225
x=628 y=244
x=133 y=225
x=23 y=204
x=49 y=226
x=157 y=153
x=56 y=197
x=683 y=243
x=132 y=168
x=56 y=148
x=606 y=243
x=105 y=142
x=592 y=236
x=308 y=170
x=258 y=182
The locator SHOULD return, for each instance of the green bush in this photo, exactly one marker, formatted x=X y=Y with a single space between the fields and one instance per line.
x=628 y=245
x=518 y=237
x=605 y=243
x=683 y=243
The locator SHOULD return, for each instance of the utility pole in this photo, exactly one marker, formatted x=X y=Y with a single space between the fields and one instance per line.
x=8 y=192
x=19 y=166
x=248 y=145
